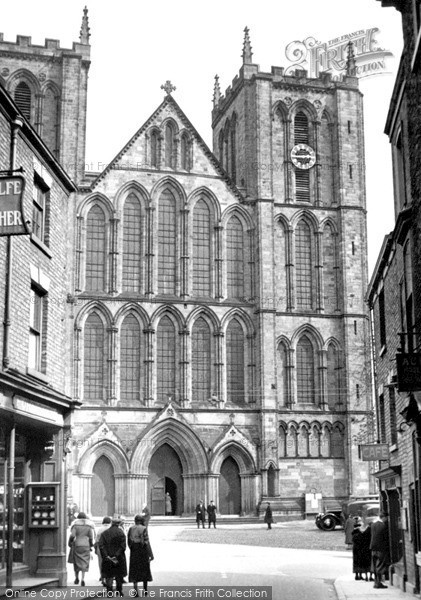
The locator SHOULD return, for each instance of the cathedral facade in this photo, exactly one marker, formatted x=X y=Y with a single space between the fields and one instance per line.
x=218 y=335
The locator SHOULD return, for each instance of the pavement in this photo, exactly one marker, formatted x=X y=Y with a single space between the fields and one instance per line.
x=348 y=589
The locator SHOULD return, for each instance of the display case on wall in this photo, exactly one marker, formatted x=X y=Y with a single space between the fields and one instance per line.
x=18 y=515
x=43 y=505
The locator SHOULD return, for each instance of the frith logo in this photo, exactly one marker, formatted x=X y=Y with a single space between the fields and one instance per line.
x=331 y=57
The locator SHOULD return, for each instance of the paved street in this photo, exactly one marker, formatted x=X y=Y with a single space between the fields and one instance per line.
x=292 y=572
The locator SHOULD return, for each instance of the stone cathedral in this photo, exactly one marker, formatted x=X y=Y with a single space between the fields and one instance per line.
x=218 y=335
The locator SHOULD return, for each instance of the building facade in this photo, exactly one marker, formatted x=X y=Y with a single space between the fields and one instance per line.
x=34 y=406
x=220 y=339
x=394 y=299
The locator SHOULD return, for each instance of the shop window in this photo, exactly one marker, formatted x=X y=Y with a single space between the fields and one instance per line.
x=40 y=205
x=37 y=327
x=18 y=514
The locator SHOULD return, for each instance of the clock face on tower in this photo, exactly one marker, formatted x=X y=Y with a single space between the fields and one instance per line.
x=303 y=156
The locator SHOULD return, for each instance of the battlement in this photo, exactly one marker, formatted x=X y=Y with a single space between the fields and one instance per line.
x=280 y=76
x=24 y=45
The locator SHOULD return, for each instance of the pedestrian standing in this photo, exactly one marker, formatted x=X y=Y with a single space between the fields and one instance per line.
x=168 y=504
x=211 y=510
x=140 y=555
x=268 y=516
x=106 y=524
x=361 y=554
x=349 y=528
x=81 y=542
x=146 y=514
x=200 y=514
x=112 y=545
x=379 y=547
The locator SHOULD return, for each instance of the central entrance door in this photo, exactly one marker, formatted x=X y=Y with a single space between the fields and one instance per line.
x=230 y=488
x=165 y=477
x=102 y=488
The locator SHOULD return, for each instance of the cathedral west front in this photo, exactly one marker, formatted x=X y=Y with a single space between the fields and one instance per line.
x=218 y=338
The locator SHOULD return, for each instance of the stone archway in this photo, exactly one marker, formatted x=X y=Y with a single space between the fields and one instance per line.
x=165 y=477
x=230 y=488
x=102 y=488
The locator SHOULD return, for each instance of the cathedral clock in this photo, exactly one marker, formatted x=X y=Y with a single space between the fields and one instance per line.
x=303 y=156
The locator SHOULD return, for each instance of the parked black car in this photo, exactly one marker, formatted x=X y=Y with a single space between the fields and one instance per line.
x=366 y=507
x=330 y=519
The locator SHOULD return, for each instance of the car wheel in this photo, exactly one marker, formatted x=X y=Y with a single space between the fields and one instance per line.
x=329 y=523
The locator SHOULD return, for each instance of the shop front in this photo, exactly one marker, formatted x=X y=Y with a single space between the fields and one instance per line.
x=33 y=514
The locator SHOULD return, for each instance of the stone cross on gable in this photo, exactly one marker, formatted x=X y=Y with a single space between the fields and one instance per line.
x=168 y=87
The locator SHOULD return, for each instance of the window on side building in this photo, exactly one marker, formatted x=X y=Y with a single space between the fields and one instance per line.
x=40 y=205
x=37 y=316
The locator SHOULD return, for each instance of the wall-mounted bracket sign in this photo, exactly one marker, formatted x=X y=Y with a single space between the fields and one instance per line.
x=12 y=219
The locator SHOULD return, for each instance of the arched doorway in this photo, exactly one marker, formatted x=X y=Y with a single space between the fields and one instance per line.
x=165 y=476
x=271 y=482
x=102 y=488
x=230 y=488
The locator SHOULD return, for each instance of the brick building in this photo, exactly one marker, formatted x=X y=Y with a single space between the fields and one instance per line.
x=34 y=404
x=219 y=331
x=394 y=299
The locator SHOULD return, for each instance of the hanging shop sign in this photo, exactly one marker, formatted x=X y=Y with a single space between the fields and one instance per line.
x=374 y=452
x=409 y=372
x=12 y=220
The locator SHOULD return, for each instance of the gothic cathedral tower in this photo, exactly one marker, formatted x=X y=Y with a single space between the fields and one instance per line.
x=295 y=148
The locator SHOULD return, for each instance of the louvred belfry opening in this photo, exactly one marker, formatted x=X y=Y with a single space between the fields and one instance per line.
x=23 y=99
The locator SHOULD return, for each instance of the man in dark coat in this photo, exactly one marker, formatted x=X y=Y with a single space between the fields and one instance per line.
x=268 y=516
x=379 y=547
x=200 y=514
x=211 y=510
x=112 y=545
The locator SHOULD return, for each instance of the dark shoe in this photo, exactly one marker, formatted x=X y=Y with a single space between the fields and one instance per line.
x=82 y=582
x=77 y=580
x=382 y=586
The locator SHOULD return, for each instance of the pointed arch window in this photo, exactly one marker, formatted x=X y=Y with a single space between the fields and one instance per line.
x=130 y=356
x=154 y=149
x=23 y=99
x=235 y=344
x=165 y=359
x=233 y=145
x=50 y=121
x=169 y=146
x=185 y=152
x=94 y=359
x=333 y=376
x=167 y=244
x=235 y=258
x=202 y=239
x=303 y=266
x=221 y=147
x=95 y=250
x=282 y=370
x=201 y=361
x=301 y=130
x=329 y=270
x=132 y=244
x=306 y=384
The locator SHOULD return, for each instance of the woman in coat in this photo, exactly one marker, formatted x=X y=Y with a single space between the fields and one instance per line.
x=268 y=516
x=140 y=554
x=361 y=553
x=81 y=542
x=349 y=528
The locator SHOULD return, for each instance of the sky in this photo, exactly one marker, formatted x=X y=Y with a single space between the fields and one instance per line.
x=138 y=45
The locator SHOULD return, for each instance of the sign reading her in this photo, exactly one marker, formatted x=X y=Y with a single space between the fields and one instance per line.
x=12 y=221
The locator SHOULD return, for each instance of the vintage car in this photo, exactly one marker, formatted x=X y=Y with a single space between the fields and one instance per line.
x=366 y=507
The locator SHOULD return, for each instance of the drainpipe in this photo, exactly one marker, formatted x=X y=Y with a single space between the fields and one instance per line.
x=16 y=125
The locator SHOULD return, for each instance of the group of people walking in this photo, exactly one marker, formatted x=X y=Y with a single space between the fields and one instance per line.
x=370 y=548
x=110 y=543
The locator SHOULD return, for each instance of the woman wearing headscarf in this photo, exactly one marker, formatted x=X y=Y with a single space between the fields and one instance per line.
x=140 y=554
x=81 y=542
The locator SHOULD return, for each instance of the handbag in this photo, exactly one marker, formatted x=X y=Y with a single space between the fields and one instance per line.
x=71 y=557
